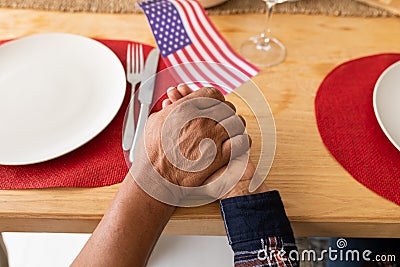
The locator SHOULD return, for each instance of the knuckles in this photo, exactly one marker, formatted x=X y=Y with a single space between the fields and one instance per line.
x=211 y=92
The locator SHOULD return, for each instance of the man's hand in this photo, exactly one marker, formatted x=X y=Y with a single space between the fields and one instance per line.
x=176 y=142
x=131 y=226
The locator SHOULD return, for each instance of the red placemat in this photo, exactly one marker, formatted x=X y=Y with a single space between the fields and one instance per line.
x=349 y=129
x=100 y=162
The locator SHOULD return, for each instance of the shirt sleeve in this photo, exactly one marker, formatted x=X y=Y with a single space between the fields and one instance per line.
x=259 y=231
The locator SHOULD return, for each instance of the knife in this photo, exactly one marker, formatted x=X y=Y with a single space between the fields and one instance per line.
x=145 y=96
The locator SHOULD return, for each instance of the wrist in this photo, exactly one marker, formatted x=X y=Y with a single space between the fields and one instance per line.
x=242 y=189
x=132 y=191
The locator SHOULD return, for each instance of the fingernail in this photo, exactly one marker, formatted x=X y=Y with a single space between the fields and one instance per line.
x=170 y=89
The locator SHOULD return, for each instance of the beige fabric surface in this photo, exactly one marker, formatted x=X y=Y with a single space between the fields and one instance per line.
x=327 y=7
x=330 y=7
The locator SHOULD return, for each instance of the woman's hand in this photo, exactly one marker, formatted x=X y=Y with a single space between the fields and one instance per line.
x=181 y=92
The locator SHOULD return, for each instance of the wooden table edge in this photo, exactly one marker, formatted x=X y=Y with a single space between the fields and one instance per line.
x=199 y=227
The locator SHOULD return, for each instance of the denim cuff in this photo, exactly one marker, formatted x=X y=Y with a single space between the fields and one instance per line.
x=252 y=217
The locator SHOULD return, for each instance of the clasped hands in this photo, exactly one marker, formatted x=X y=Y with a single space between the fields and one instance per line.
x=196 y=144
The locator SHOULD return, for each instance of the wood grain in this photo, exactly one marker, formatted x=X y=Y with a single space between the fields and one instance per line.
x=321 y=198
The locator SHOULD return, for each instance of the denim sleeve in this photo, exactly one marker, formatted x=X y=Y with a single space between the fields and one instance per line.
x=259 y=231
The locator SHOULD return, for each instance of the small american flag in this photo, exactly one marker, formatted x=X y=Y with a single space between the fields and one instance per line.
x=185 y=34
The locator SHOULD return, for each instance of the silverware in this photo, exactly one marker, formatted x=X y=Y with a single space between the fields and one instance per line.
x=145 y=96
x=134 y=75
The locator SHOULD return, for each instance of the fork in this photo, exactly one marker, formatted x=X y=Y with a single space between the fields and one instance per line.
x=134 y=73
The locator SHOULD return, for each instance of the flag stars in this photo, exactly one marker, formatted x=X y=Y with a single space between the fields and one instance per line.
x=167 y=26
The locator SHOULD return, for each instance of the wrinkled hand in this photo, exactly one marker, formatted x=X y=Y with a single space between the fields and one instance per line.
x=242 y=187
x=177 y=146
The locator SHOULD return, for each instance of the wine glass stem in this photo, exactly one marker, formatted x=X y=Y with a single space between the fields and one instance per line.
x=265 y=36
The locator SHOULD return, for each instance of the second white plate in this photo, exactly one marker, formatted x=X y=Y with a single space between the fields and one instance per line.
x=57 y=92
x=386 y=101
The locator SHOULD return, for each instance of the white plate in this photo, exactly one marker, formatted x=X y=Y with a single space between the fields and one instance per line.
x=57 y=92
x=387 y=103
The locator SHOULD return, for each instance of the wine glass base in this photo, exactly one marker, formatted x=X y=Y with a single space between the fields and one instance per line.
x=263 y=54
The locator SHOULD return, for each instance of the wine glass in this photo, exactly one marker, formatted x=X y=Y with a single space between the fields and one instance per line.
x=265 y=50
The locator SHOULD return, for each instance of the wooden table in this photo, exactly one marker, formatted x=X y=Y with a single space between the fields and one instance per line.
x=321 y=198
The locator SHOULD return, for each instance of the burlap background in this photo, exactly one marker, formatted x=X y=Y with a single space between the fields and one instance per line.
x=330 y=7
